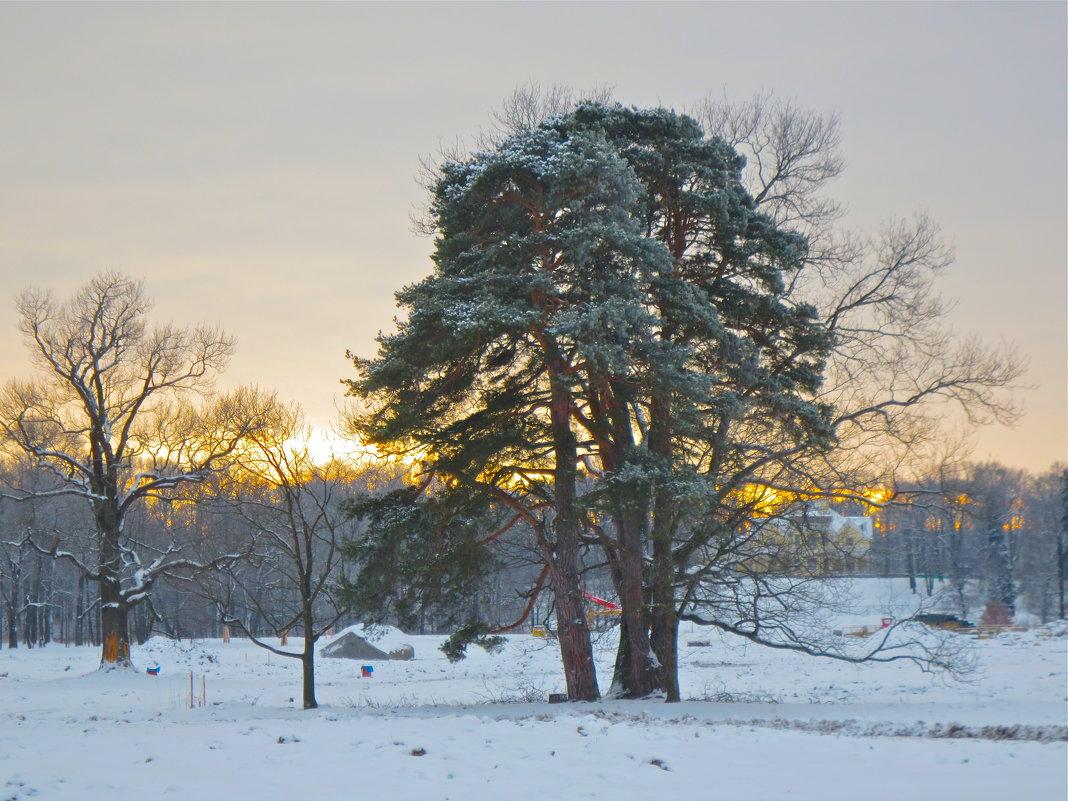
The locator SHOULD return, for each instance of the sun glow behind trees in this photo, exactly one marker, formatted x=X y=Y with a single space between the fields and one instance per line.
x=324 y=445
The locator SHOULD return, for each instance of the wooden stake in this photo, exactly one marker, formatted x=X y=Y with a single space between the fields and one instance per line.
x=190 y=689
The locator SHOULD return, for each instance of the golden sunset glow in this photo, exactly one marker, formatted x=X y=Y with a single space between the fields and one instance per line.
x=765 y=501
x=878 y=496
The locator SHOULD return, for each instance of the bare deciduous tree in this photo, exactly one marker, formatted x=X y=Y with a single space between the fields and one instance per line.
x=892 y=378
x=291 y=507
x=528 y=106
x=791 y=153
x=113 y=415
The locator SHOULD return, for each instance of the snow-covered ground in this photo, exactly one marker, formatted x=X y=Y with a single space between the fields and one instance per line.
x=762 y=725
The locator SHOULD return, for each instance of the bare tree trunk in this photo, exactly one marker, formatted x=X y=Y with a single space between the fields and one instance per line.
x=12 y=613
x=12 y=625
x=48 y=600
x=144 y=616
x=79 y=612
x=307 y=660
x=114 y=613
x=114 y=626
x=33 y=608
x=910 y=558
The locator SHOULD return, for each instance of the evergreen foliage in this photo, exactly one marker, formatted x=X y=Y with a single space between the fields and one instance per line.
x=421 y=558
x=606 y=301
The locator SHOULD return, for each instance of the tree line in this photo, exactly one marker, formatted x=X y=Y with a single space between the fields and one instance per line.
x=955 y=542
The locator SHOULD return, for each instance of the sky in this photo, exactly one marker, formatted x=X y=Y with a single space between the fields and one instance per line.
x=256 y=164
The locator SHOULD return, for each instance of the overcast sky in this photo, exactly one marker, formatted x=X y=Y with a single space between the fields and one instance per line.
x=255 y=163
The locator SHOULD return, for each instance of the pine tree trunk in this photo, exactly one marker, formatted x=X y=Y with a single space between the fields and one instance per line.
x=576 y=650
x=663 y=613
x=636 y=674
x=664 y=638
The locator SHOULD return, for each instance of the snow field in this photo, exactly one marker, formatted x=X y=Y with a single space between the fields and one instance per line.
x=70 y=733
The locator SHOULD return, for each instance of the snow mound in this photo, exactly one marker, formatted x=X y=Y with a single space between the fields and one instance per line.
x=384 y=638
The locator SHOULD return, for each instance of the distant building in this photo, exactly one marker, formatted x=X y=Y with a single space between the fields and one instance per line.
x=817 y=541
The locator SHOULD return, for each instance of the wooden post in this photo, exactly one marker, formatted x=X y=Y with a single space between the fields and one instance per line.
x=203 y=690
x=190 y=689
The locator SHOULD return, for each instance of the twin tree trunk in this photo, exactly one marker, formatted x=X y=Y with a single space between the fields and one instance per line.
x=637 y=673
x=647 y=658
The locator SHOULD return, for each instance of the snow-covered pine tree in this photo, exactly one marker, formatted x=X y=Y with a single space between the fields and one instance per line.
x=540 y=265
x=609 y=301
x=733 y=381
